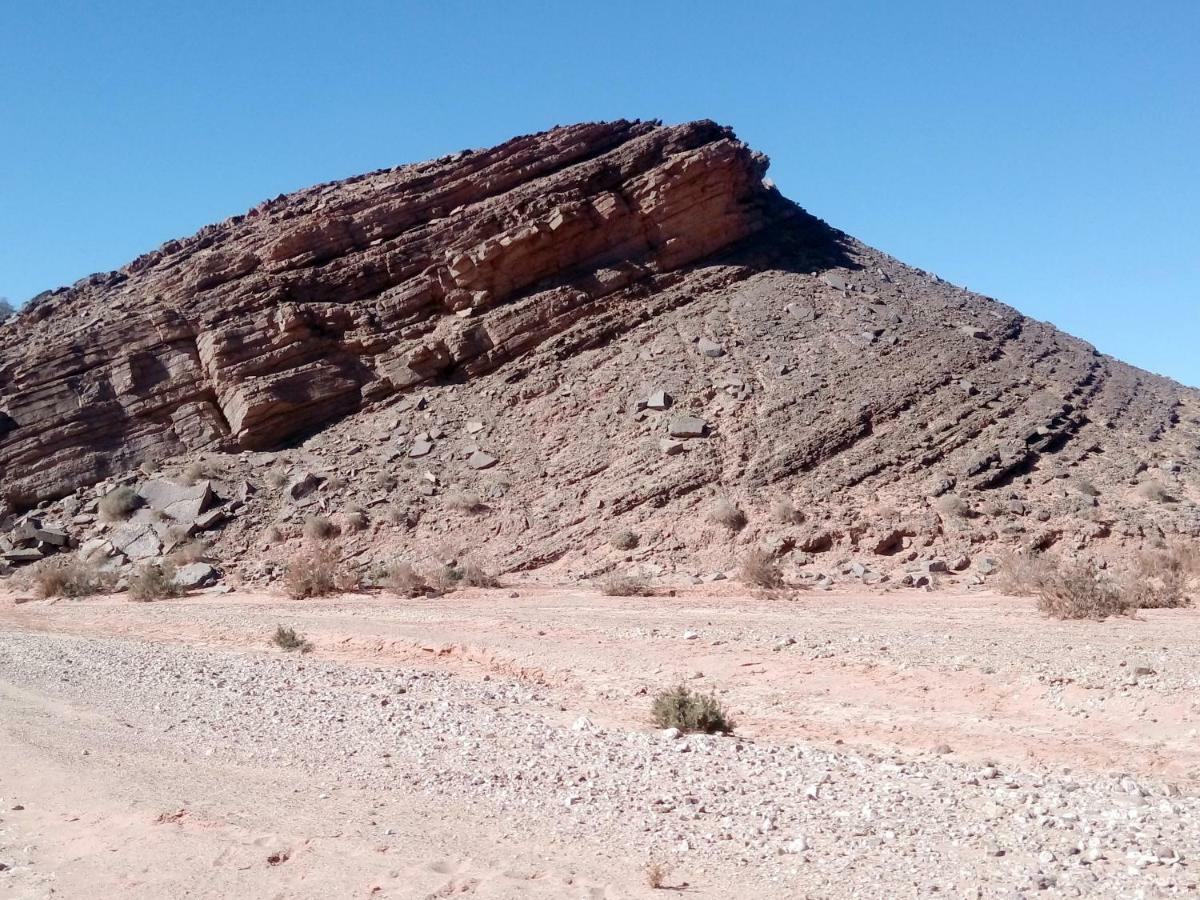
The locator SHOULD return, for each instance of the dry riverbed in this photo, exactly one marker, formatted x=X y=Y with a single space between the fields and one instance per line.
x=488 y=745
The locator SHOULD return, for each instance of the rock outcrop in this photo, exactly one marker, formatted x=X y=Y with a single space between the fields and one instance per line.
x=602 y=325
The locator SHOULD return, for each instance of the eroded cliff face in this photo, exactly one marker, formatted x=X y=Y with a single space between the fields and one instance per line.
x=600 y=328
x=277 y=322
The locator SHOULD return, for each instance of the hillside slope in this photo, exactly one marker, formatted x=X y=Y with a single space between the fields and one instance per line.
x=473 y=349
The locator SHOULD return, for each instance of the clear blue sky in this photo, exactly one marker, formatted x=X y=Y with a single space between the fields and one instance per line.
x=1045 y=153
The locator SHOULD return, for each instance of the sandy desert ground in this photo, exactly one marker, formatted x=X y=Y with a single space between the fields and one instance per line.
x=497 y=744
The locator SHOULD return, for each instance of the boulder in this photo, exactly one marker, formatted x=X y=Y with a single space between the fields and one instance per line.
x=195 y=575
x=182 y=502
x=481 y=460
x=687 y=427
x=658 y=400
x=708 y=348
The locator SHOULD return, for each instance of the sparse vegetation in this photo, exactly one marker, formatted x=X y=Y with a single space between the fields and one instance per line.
x=153 y=581
x=445 y=578
x=319 y=528
x=784 y=512
x=118 y=504
x=1154 y=491
x=463 y=502
x=679 y=707
x=278 y=479
x=402 y=579
x=288 y=640
x=314 y=571
x=273 y=535
x=1078 y=591
x=190 y=552
x=759 y=568
x=356 y=519
x=624 y=540
x=1022 y=574
x=616 y=585
x=725 y=512
x=475 y=575
x=1085 y=487
x=398 y=515
x=657 y=873
x=69 y=576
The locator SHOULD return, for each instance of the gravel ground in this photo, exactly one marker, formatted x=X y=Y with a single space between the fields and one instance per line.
x=733 y=817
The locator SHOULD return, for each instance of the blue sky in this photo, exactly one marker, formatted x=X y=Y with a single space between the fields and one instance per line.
x=1047 y=154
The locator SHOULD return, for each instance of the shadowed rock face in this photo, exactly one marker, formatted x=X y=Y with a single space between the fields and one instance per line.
x=546 y=285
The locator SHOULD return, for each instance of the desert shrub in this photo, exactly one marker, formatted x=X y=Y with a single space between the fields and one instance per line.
x=679 y=707
x=356 y=519
x=1085 y=487
x=624 y=540
x=784 y=512
x=1078 y=591
x=69 y=576
x=386 y=481
x=657 y=873
x=626 y=586
x=724 y=512
x=759 y=568
x=319 y=528
x=278 y=478
x=314 y=571
x=402 y=579
x=153 y=581
x=333 y=483
x=273 y=534
x=445 y=578
x=1022 y=574
x=476 y=575
x=287 y=639
x=191 y=552
x=398 y=515
x=953 y=506
x=1154 y=491
x=463 y=502
x=118 y=504
x=1165 y=591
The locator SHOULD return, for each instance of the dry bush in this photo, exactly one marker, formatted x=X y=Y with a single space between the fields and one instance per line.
x=287 y=639
x=759 y=568
x=784 y=512
x=274 y=535
x=386 y=481
x=319 y=528
x=476 y=575
x=314 y=571
x=626 y=586
x=1078 y=591
x=1022 y=574
x=1084 y=486
x=679 y=708
x=356 y=519
x=191 y=552
x=333 y=483
x=953 y=506
x=398 y=515
x=69 y=576
x=118 y=504
x=278 y=479
x=657 y=873
x=463 y=502
x=445 y=579
x=153 y=581
x=724 y=512
x=1154 y=491
x=402 y=579
x=624 y=540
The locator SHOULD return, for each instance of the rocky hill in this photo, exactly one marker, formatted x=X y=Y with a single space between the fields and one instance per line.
x=523 y=351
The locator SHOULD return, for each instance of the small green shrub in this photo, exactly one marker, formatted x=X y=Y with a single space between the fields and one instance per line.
x=288 y=640
x=680 y=708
